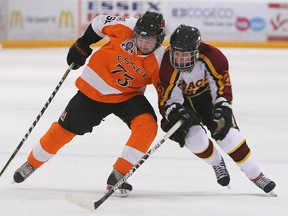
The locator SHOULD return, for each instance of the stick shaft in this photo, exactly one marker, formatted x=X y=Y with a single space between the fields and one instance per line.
x=137 y=165
x=37 y=118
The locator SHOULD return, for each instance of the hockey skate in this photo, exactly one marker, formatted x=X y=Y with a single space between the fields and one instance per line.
x=222 y=175
x=113 y=178
x=23 y=172
x=265 y=184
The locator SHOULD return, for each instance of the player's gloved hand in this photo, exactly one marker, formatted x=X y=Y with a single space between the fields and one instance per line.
x=178 y=136
x=78 y=53
x=222 y=118
x=173 y=114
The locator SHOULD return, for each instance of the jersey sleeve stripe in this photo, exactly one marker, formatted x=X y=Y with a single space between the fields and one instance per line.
x=94 y=80
x=169 y=88
x=214 y=73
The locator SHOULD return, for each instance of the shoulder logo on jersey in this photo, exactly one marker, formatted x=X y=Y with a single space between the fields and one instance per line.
x=128 y=46
x=122 y=19
x=109 y=19
x=226 y=78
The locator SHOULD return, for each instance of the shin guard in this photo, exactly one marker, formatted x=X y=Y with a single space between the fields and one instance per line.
x=53 y=140
x=143 y=132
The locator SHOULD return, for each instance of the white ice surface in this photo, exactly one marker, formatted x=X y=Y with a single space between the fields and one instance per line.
x=172 y=181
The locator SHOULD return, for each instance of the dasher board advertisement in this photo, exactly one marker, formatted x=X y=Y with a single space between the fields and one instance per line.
x=3 y=19
x=42 y=20
x=222 y=21
x=278 y=19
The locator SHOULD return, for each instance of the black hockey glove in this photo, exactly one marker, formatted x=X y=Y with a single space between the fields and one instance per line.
x=78 y=53
x=178 y=136
x=174 y=113
x=222 y=118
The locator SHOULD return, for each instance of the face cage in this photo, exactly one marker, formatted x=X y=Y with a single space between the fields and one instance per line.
x=159 y=40
x=185 y=65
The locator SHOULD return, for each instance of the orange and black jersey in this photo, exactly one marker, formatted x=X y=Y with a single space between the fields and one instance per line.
x=211 y=73
x=116 y=72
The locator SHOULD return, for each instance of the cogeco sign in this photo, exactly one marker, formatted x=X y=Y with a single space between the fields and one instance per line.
x=207 y=13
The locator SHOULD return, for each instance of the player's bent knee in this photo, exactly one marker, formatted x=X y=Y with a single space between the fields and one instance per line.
x=55 y=138
x=146 y=125
x=144 y=130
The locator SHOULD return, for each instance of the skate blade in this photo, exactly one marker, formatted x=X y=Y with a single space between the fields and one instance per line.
x=228 y=186
x=272 y=193
x=122 y=192
x=119 y=192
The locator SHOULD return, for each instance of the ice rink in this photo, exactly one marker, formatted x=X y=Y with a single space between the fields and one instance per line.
x=172 y=181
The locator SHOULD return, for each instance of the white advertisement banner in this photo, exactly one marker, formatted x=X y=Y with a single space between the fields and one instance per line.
x=133 y=8
x=222 y=21
x=3 y=19
x=42 y=20
x=278 y=20
x=217 y=21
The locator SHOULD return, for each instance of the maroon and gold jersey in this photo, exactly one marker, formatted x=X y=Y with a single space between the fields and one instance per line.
x=211 y=73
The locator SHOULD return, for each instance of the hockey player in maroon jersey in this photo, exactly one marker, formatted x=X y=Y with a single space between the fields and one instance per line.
x=195 y=86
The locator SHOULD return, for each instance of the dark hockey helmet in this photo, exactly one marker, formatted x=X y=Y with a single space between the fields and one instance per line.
x=150 y=24
x=186 y=41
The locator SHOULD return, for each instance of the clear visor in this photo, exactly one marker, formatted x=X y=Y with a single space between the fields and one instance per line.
x=183 y=61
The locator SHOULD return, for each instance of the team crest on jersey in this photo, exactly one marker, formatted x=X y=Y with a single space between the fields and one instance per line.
x=128 y=46
x=192 y=87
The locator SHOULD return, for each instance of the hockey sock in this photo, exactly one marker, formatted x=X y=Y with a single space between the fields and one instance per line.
x=53 y=140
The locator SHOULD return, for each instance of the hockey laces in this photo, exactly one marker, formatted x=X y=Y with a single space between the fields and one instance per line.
x=220 y=170
x=262 y=182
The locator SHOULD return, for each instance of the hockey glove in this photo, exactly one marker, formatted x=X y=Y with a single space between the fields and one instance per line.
x=178 y=136
x=222 y=118
x=173 y=114
x=78 y=53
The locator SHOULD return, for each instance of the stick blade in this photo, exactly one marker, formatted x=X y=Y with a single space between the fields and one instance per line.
x=80 y=201
x=96 y=204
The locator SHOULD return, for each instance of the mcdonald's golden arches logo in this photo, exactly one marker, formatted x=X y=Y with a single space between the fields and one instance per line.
x=66 y=19
x=16 y=19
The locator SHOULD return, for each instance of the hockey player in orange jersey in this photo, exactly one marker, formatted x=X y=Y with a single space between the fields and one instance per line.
x=113 y=82
x=194 y=86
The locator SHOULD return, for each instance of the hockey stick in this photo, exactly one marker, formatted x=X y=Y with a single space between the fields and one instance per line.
x=38 y=117
x=90 y=205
